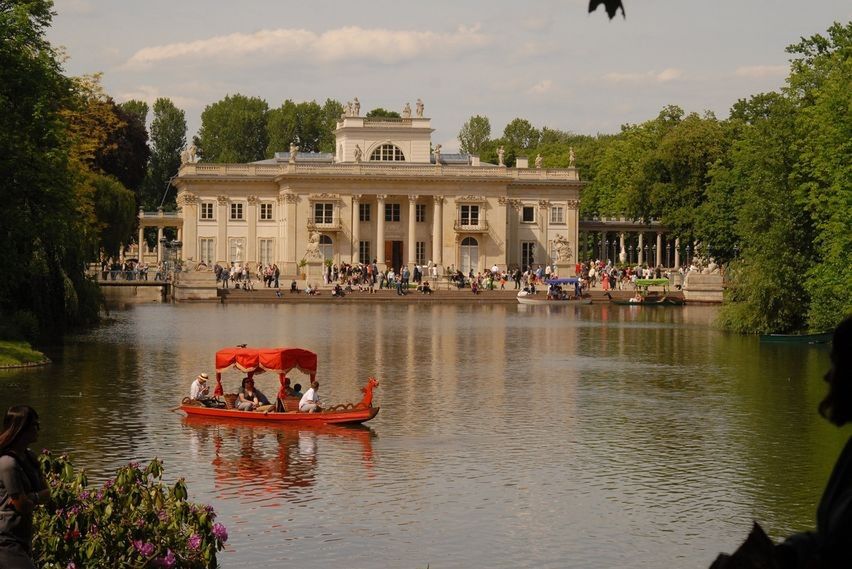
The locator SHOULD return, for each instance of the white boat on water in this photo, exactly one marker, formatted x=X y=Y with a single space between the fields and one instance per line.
x=555 y=296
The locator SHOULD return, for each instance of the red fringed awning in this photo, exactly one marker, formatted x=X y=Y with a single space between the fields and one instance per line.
x=258 y=360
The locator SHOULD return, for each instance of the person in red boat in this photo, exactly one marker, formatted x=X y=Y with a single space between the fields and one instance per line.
x=310 y=400
x=249 y=397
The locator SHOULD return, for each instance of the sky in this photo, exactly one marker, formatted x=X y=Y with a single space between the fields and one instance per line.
x=547 y=61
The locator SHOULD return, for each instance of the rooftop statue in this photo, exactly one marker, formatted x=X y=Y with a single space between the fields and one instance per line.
x=356 y=107
x=437 y=154
x=419 y=108
x=294 y=151
x=501 y=154
x=406 y=111
x=358 y=153
x=538 y=161
x=188 y=155
x=570 y=156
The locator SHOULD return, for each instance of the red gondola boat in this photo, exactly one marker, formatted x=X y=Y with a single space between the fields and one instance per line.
x=253 y=361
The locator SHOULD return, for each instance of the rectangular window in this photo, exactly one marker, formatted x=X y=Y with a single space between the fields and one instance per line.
x=323 y=213
x=363 y=252
x=364 y=212
x=206 y=210
x=420 y=253
x=207 y=251
x=266 y=212
x=527 y=253
x=420 y=212
x=236 y=211
x=391 y=212
x=528 y=214
x=236 y=249
x=266 y=252
x=469 y=215
x=557 y=215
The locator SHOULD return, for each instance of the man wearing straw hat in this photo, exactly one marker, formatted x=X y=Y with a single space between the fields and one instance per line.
x=199 y=390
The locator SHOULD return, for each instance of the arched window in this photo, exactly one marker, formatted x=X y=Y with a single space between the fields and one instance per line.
x=387 y=153
x=469 y=255
x=326 y=247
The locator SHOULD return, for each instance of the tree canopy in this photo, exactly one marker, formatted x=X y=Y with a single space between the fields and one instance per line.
x=234 y=130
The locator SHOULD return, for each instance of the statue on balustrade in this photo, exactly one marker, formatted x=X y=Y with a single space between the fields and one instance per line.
x=294 y=151
x=406 y=111
x=356 y=107
x=419 y=108
x=358 y=153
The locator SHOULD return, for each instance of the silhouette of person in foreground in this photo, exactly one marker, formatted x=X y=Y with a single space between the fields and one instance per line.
x=830 y=545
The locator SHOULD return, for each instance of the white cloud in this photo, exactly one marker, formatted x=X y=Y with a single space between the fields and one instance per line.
x=542 y=87
x=664 y=76
x=350 y=43
x=762 y=71
x=150 y=94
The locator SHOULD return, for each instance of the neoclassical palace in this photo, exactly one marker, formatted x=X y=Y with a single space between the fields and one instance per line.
x=385 y=194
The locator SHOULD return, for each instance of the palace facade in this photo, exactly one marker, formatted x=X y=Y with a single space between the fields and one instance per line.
x=385 y=194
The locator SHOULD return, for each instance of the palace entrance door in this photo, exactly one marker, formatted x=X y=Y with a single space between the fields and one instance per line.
x=393 y=254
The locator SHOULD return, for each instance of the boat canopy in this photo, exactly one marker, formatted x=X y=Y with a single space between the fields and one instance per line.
x=258 y=360
x=652 y=282
x=565 y=281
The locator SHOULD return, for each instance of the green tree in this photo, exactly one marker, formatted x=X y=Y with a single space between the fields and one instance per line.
x=379 y=112
x=766 y=292
x=304 y=124
x=520 y=134
x=38 y=223
x=125 y=154
x=234 y=130
x=474 y=134
x=819 y=83
x=139 y=109
x=331 y=111
x=168 y=138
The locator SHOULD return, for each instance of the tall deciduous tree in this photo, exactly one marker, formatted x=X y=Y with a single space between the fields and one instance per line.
x=474 y=134
x=521 y=134
x=168 y=138
x=137 y=108
x=304 y=124
x=38 y=221
x=234 y=130
x=126 y=151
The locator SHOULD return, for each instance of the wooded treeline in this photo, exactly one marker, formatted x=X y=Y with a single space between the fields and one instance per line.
x=768 y=188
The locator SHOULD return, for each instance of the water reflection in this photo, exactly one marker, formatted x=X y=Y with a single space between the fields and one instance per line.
x=263 y=460
x=510 y=436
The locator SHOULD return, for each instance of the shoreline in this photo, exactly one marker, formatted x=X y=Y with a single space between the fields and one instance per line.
x=16 y=354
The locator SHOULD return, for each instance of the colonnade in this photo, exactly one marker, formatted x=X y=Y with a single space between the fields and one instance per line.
x=651 y=248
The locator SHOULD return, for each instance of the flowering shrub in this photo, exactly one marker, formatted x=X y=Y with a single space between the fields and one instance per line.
x=133 y=520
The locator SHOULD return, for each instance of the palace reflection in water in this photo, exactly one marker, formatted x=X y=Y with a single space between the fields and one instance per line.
x=509 y=436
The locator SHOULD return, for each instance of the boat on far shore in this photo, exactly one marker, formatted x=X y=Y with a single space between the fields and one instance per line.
x=800 y=338
x=555 y=295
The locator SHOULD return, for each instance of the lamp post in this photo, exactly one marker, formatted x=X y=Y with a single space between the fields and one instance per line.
x=630 y=257
x=687 y=254
x=654 y=253
x=606 y=249
x=613 y=252
x=668 y=254
x=646 y=254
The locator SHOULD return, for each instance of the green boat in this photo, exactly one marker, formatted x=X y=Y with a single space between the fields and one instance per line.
x=815 y=338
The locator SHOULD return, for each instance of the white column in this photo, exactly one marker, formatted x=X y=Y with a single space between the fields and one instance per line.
x=412 y=236
x=222 y=230
x=622 y=252
x=641 y=257
x=677 y=253
x=659 y=249
x=380 y=231
x=438 y=230
x=356 y=229
x=251 y=219
x=141 y=241
x=159 y=244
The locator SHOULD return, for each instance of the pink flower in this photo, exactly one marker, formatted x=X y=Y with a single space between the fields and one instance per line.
x=169 y=560
x=194 y=541
x=221 y=532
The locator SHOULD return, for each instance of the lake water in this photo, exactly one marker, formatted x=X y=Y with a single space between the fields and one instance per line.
x=509 y=436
